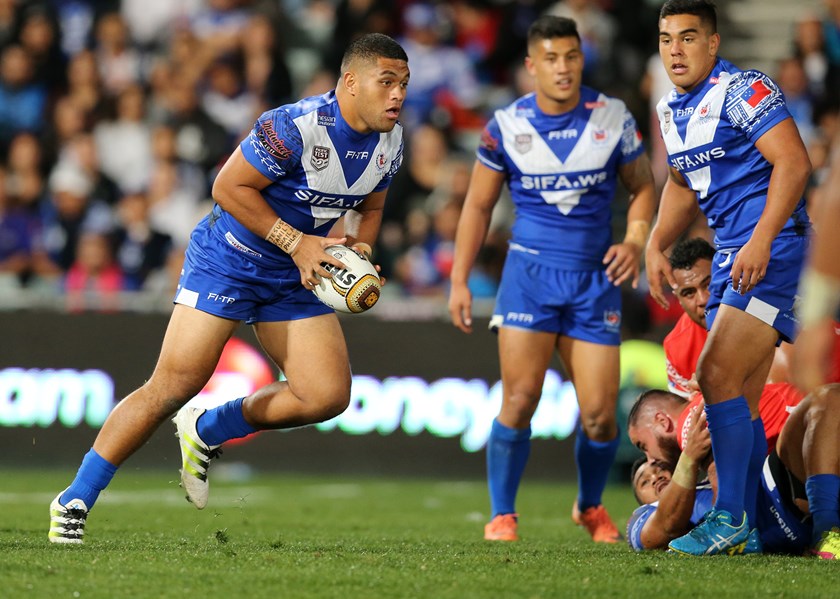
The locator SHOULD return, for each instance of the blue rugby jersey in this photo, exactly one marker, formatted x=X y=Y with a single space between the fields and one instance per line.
x=320 y=168
x=710 y=134
x=562 y=174
x=703 y=502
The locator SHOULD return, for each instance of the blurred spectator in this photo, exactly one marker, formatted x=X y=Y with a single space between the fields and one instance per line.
x=476 y=31
x=25 y=177
x=198 y=138
x=69 y=213
x=15 y=239
x=597 y=32
x=119 y=63
x=227 y=101
x=189 y=176
x=809 y=47
x=140 y=249
x=357 y=17
x=22 y=100
x=84 y=86
x=444 y=87
x=151 y=22
x=793 y=82
x=68 y=120
x=82 y=153
x=831 y=36
x=173 y=208
x=425 y=156
x=8 y=22
x=267 y=75
x=39 y=36
x=124 y=144
x=94 y=280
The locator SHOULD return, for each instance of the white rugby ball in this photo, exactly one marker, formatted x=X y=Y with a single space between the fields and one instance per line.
x=353 y=289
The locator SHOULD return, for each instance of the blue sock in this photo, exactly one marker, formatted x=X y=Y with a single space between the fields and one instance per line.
x=224 y=423
x=730 y=425
x=594 y=460
x=757 y=458
x=507 y=453
x=823 y=491
x=94 y=475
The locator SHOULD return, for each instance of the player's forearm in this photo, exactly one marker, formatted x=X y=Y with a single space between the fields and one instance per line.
x=677 y=211
x=676 y=502
x=787 y=184
x=639 y=216
x=472 y=230
x=362 y=227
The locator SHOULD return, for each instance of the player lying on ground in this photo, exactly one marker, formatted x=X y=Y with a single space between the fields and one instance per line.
x=808 y=450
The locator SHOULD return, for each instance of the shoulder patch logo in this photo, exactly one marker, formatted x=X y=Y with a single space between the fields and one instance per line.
x=320 y=157
x=755 y=93
x=275 y=146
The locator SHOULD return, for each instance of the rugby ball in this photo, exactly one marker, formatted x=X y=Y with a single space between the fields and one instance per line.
x=353 y=289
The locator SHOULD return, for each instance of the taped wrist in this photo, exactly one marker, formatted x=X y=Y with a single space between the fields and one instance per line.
x=284 y=236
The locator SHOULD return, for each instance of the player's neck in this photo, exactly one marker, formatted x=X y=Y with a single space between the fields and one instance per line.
x=553 y=107
x=349 y=113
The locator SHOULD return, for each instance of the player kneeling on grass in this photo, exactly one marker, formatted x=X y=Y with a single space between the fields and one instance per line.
x=672 y=501
x=257 y=258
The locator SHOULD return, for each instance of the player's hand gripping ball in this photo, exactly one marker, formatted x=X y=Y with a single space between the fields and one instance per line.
x=352 y=290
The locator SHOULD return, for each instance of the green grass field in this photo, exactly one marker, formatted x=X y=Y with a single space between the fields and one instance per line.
x=295 y=536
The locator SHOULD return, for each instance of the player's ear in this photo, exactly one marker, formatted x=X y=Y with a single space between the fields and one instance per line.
x=350 y=81
x=662 y=419
x=714 y=44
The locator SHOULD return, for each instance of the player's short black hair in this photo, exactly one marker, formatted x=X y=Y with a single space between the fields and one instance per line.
x=705 y=9
x=371 y=46
x=641 y=461
x=548 y=27
x=647 y=397
x=688 y=251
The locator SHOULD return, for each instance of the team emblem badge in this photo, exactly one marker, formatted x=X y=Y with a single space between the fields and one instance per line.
x=599 y=135
x=522 y=143
x=612 y=319
x=320 y=157
x=381 y=161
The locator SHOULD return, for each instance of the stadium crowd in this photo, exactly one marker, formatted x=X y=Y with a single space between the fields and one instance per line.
x=115 y=116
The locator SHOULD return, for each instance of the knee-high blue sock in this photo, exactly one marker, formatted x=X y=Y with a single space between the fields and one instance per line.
x=224 y=423
x=730 y=426
x=94 y=475
x=757 y=457
x=594 y=460
x=823 y=491
x=507 y=453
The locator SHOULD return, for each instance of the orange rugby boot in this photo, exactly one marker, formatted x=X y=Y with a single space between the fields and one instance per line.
x=502 y=528
x=597 y=521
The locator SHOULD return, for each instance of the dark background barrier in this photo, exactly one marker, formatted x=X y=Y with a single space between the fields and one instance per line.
x=125 y=346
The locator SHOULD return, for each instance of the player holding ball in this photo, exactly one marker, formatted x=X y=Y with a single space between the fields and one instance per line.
x=257 y=258
x=561 y=151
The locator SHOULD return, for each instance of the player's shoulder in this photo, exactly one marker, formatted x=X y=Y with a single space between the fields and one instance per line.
x=683 y=329
x=636 y=523
x=592 y=99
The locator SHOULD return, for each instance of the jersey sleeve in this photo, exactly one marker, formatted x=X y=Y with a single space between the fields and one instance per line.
x=395 y=166
x=274 y=146
x=490 y=149
x=754 y=104
x=631 y=139
x=635 y=524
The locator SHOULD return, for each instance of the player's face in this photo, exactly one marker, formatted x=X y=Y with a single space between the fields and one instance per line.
x=692 y=289
x=654 y=441
x=649 y=482
x=556 y=65
x=381 y=88
x=688 y=50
